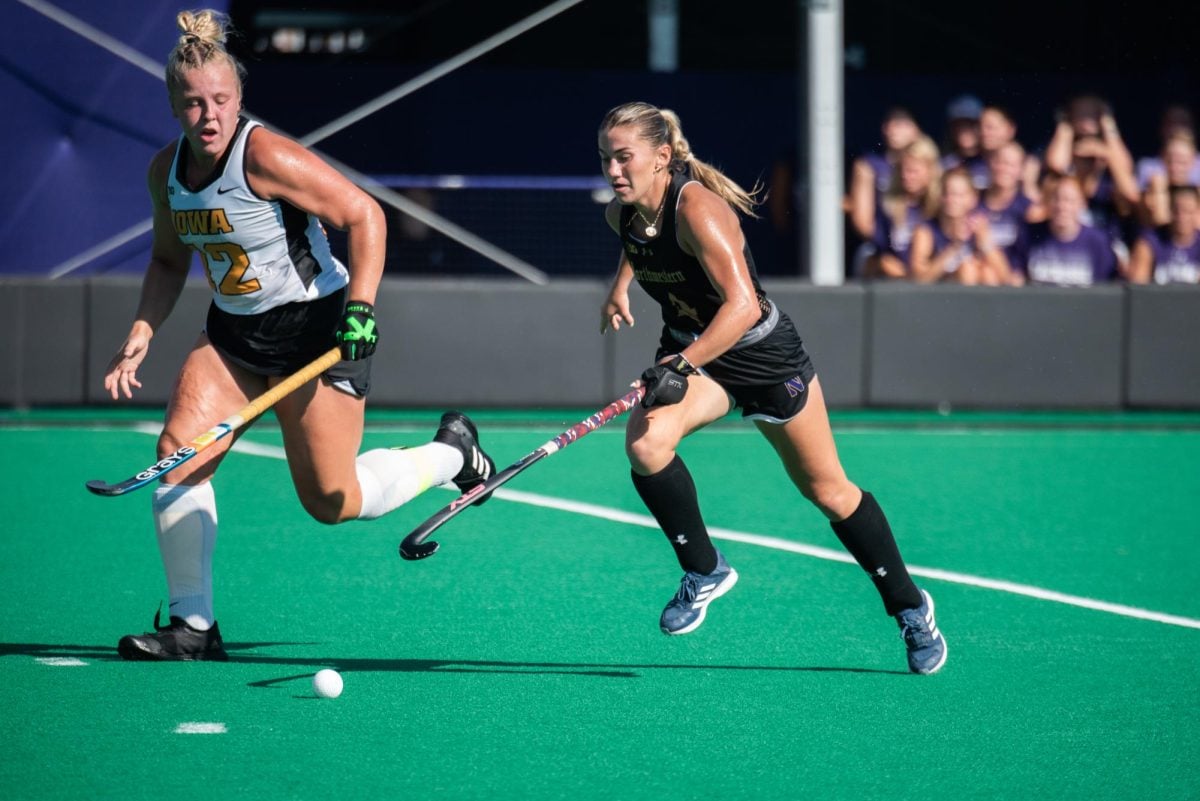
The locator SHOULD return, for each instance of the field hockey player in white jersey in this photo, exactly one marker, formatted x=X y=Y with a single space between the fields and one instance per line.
x=251 y=203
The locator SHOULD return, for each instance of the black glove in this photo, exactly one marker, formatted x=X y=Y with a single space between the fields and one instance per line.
x=666 y=383
x=357 y=333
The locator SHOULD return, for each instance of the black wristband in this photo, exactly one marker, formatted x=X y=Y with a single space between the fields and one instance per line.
x=680 y=364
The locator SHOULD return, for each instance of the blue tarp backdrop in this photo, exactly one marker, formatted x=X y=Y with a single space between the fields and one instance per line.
x=82 y=123
x=81 y=127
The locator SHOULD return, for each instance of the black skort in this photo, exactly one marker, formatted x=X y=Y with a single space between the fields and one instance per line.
x=768 y=380
x=280 y=341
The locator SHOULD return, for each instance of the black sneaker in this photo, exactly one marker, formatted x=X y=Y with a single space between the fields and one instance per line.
x=176 y=642
x=457 y=431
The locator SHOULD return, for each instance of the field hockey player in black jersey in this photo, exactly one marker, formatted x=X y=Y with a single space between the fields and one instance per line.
x=725 y=345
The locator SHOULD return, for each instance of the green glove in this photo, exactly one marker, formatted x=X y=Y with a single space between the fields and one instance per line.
x=357 y=333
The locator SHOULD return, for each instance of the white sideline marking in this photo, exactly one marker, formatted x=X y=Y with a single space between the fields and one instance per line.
x=817 y=552
x=831 y=555
x=197 y=727
x=59 y=661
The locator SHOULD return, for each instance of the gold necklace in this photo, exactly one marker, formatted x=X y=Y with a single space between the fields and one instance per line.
x=652 y=227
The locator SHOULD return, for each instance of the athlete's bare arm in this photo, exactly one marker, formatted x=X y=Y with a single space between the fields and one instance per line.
x=162 y=284
x=278 y=168
x=709 y=230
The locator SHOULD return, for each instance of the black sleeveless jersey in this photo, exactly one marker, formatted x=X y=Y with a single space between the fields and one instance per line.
x=677 y=281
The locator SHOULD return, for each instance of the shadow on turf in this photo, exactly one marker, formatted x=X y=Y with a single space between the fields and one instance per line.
x=612 y=671
x=238 y=653
x=100 y=653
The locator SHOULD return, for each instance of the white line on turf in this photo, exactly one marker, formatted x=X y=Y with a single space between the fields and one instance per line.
x=200 y=727
x=816 y=552
x=59 y=661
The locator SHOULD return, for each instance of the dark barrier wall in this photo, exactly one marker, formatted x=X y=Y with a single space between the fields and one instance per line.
x=1164 y=346
x=1000 y=347
x=479 y=343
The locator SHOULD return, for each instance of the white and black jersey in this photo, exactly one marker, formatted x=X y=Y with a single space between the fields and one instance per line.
x=257 y=253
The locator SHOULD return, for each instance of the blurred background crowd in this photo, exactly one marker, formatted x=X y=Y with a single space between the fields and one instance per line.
x=975 y=203
x=1034 y=142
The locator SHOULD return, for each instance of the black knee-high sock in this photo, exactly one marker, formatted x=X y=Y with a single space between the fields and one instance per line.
x=868 y=537
x=670 y=495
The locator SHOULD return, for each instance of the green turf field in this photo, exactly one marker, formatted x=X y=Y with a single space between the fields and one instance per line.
x=524 y=660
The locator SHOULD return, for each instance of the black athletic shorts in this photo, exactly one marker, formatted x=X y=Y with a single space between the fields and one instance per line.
x=768 y=380
x=280 y=341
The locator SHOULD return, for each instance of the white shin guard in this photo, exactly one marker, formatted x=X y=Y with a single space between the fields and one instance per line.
x=390 y=477
x=185 y=518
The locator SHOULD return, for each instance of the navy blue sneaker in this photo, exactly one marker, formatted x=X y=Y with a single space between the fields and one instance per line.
x=457 y=431
x=919 y=630
x=687 y=609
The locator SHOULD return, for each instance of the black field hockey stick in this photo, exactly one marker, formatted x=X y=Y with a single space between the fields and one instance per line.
x=222 y=429
x=414 y=545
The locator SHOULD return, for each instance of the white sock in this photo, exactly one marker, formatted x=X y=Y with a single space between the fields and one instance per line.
x=185 y=518
x=390 y=477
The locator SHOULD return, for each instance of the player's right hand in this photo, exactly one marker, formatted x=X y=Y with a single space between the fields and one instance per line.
x=666 y=382
x=121 y=376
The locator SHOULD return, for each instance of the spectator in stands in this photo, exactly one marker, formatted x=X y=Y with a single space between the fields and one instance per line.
x=1178 y=165
x=1063 y=250
x=1170 y=254
x=963 y=145
x=957 y=246
x=911 y=198
x=1087 y=145
x=1008 y=210
x=998 y=128
x=872 y=172
x=1176 y=119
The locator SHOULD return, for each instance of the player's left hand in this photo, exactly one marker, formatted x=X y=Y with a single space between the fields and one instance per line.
x=615 y=311
x=358 y=334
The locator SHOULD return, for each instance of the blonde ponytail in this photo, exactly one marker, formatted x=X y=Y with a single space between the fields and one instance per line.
x=662 y=127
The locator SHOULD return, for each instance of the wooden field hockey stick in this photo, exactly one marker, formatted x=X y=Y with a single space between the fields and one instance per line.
x=414 y=545
x=222 y=429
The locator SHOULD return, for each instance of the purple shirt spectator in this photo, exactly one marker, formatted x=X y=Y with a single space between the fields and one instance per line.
x=1151 y=166
x=1008 y=225
x=975 y=165
x=894 y=238
x=1102 y=211
x=1086 y=260
x=1173 y=264
x=879 y=163
x=942 y=240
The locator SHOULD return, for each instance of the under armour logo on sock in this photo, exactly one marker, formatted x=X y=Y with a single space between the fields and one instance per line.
x=881 y=571
x=680 y=539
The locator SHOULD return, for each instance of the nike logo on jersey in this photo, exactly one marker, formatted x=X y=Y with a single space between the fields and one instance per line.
x=223 y=189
